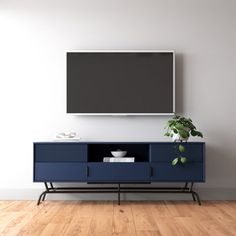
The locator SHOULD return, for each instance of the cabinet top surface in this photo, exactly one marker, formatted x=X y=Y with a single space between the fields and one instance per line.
x=115 y=142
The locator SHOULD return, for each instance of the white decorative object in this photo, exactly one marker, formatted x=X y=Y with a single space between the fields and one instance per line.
x=118 y=153
x=76 y=139
x=178 y=138
x=118 y=159
x=67 y=137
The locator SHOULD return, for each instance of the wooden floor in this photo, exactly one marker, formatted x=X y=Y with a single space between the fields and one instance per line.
x=107 y=218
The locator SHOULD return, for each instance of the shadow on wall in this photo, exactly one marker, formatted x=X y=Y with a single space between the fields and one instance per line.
x=179 y=82
x=220 y=155
x=220 y=165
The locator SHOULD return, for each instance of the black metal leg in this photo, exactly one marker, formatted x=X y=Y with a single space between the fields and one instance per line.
x=43 y=194
x=118 y=194
x=191 y=190
x=41 y=197
x=195 y=195
x=52 y=190
x=185 y=186
x=198 y=198
x=194 y=199
x=46 y=186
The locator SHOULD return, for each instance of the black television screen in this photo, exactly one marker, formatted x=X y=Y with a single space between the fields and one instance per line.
x=120 y=82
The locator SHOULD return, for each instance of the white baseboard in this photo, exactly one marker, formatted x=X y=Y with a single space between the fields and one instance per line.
x=33 y=194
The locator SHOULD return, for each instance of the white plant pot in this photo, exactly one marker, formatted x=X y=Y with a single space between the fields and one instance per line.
x=178 y=138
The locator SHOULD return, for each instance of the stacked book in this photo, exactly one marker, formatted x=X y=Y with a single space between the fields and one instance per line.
x=118 y=159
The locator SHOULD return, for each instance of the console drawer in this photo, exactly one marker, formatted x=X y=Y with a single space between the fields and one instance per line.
x=60 y=152
x=166 y=152
x=118 y=172
x=59 y=172
x=189 y=172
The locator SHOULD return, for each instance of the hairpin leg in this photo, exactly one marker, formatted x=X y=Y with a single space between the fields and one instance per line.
x=43 y=194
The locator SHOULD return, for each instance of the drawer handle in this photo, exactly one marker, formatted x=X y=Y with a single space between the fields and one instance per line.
x=87 y=171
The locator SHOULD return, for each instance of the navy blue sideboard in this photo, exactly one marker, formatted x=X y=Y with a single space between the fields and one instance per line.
x=83 y=162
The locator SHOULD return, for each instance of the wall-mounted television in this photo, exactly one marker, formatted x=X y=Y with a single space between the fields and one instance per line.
x=121 y=82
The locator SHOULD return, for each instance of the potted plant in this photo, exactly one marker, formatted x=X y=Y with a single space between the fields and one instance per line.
x=179 y=149
x=180 y=128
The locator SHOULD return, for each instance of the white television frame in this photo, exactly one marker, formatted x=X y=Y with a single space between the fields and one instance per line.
x=132 y=114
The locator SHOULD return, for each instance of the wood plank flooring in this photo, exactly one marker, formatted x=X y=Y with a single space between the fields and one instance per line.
x=104 y=218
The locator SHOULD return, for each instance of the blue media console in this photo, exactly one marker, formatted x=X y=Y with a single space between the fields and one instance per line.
x=83 y=162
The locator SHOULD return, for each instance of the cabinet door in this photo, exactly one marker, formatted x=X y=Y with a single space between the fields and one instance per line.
x=60 y=152
x=60 y=172
x=118 y=172
x=166 y=152
x=189 y=172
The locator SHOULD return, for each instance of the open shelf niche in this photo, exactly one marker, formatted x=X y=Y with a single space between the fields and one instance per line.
x=96 y=152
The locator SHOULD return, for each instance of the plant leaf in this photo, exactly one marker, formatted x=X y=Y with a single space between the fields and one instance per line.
x=167 y=134
x=183 y=133
x=181 y=148
x=196 y=133
x=182 y=126
x=183 y=160
x=179 y=126
x=199 y=134
x=175 y=161
x=175 y=131
x=193 y=132
x=170 y=122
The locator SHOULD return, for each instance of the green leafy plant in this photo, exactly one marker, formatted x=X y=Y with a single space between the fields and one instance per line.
x=180 y=149
x=182 y=126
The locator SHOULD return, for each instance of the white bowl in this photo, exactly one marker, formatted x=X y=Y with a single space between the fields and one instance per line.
x=118 y=153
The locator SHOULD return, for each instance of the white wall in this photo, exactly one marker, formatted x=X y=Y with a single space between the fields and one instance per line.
x=34 y=39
